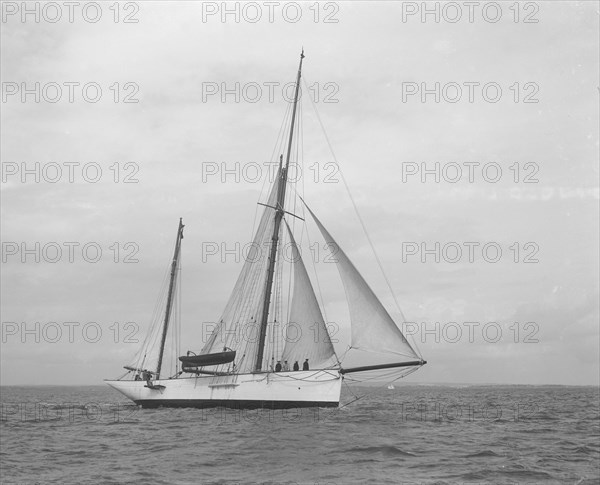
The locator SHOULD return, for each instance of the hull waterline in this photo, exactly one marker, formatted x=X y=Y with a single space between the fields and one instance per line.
x=320 y=388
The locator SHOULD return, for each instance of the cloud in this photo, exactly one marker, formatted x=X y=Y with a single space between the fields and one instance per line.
x=175 y=135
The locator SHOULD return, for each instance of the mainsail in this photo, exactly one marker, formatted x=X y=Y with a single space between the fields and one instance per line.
x=373 y=328
x=238 y=326
x=306 y=334
x=247 y=315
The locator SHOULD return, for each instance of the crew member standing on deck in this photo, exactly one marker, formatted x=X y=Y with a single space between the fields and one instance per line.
x=305 y=365
x=148 y=378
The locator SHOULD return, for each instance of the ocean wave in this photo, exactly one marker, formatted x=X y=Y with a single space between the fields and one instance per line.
x=365 y=442
x=482 y=454
x=385 y=449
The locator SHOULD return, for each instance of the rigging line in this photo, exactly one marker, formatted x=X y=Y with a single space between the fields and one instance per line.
x=173 y=361
x=353 y=401
x=250 y=282
x=178 y=325
x=322 y=300
x=403 y=373
x=280 y=295
x=156 y=321
x=349 y=388
x=364 y=228
x=123 y=375
x=360 y=349
x=155 y=333
x=169 y=349
x=180 y=315
x=293 y=204
x=278 y=144
x=378 y=389
x=254 y=301
x=301 y=160
x=300 y=167
x=279 y=140
x=281 y=341
x=297 y=151
x=407 y=373
x=303 y=168
x=356 y=398
x=312 y=259
x=273 y=314
x=248 y=288
x=153 y=320
x=311 y=376
x=161 y=295
x=270 y=326
x=172 y=330
x=302 y=172
x=290 y=296
x=344 y=354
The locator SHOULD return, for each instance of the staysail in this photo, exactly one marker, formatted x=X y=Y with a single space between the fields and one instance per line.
x=306 y=336
x=373 y=328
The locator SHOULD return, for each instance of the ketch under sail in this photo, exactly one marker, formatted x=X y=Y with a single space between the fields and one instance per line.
x=236 y=365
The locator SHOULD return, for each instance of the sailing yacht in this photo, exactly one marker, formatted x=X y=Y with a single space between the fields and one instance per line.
x=236 y=366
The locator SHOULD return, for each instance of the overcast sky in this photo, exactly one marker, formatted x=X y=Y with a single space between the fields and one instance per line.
x=542 y=207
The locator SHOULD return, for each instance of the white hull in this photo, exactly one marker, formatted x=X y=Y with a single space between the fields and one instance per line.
x=269 y=390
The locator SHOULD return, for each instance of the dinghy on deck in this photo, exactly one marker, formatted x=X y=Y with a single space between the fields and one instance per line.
x=208 y=359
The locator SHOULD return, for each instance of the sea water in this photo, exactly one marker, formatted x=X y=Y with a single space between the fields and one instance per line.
x=409 y=435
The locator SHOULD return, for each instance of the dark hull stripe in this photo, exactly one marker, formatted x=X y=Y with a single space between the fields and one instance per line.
x=233 y=404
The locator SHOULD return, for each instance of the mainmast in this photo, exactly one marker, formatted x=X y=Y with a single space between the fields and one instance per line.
x=279 y=210
x=170 y=295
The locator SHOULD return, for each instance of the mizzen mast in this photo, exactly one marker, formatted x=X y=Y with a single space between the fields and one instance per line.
x=279 y=211
x=170 y=295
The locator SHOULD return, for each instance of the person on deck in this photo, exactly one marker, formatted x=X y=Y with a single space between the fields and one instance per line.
x=305 y=365
x=286 y=366
x=296 y=366
x=278 y=366
x=148 y=378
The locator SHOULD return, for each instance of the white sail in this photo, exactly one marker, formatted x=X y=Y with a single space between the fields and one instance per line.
x=238 y=326
x=306 y=336
x=373 y=328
